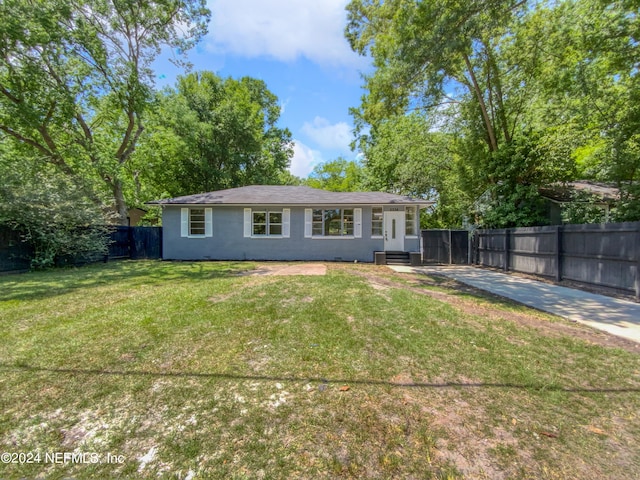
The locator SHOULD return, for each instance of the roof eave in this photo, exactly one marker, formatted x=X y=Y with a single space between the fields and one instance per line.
x=420 y=203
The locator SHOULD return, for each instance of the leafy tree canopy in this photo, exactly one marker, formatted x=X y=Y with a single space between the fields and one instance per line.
x=527 y=93
x=75 y=79
x=339 y=175
x=210 y=133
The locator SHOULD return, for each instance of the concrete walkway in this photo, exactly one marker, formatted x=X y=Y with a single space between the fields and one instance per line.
x=619 y=317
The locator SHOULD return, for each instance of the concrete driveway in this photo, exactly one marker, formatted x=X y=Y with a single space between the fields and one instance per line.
x=619 y=317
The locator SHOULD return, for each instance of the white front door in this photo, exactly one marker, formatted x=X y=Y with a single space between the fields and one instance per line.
x=394 y=231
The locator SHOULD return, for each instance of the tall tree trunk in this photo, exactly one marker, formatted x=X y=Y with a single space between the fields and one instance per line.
x=493 y=144
x=120 y=204
x=502 y=116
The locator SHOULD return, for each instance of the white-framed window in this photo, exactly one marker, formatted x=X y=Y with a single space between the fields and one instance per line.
x=333 y=222
x=267 y=223
x=411 y=221
x=377 y=217
x=196 y=222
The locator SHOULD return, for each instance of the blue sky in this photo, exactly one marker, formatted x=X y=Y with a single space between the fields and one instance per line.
x=298 y=48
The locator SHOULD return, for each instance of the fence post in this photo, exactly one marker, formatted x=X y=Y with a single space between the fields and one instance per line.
x=132 y=243
x=507 y=241
x=558 y=253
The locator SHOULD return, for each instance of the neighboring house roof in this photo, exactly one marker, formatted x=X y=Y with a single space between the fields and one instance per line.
x=289 y=195
x=564 y=192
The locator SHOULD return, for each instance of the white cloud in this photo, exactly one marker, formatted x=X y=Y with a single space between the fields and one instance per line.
x=304 y=159
x=282 y=29
x=283 y=105
x=331 y=136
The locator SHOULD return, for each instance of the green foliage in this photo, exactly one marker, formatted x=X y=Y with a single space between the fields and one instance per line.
x=75 y=79
x=53 y=215
x=628 y=209
x=517 y=206
x=338 y=175
x=528 y=93
x=403 y=155
x=288 y=178
x=210 y=133
x=583 y=208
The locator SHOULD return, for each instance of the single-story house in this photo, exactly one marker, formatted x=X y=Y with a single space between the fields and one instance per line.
x=266 y=222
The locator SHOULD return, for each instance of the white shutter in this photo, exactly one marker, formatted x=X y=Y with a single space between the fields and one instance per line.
x=286 y=222
x=308 y=225
x=357 y=222
x=208 y=222
x=247 y=222
x=184 y=222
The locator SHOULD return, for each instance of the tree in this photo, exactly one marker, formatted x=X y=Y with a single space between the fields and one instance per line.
x=529 y=93
x=75 y=79
x=339 y=175
x=591 y=81
x=210 y=133
x=428 y=54
x=451 y=63
x=49 y=210
x=404 y=156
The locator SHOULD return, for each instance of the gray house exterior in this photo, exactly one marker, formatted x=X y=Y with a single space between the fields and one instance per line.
x=288 y=223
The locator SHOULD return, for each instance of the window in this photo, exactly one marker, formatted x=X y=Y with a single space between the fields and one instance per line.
x=196 y=221
x=259 y=223
x=376 y=222
x=267 y=223
x=275 y=223
x=411 y=221
x=317 y=223
x=347 y=221
x=332 y=222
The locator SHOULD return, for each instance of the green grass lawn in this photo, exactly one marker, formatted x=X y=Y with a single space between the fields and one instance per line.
x=191 y=370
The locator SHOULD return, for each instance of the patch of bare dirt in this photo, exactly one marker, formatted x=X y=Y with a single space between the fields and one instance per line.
x=288 y=269
x=379 y=276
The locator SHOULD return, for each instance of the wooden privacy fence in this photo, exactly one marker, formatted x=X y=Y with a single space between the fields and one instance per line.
x=15 y=255
x=125 y=242
x=136 y=242
x=603 y=255
x=445 y=246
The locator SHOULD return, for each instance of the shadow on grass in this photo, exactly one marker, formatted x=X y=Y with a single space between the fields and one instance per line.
x=321 y=380
x=59 y=281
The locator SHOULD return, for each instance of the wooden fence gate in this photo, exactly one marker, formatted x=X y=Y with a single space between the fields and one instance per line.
x=445 y=246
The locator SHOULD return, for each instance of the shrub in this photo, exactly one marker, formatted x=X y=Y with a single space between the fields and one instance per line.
x=55 y=216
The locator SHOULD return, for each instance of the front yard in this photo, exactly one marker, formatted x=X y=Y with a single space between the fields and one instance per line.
x=198 y=370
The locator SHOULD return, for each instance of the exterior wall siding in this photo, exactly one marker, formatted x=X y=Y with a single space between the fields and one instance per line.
x=228 y=241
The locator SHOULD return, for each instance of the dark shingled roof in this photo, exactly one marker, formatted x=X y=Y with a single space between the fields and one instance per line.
x=563 y=192
x=288 y=195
